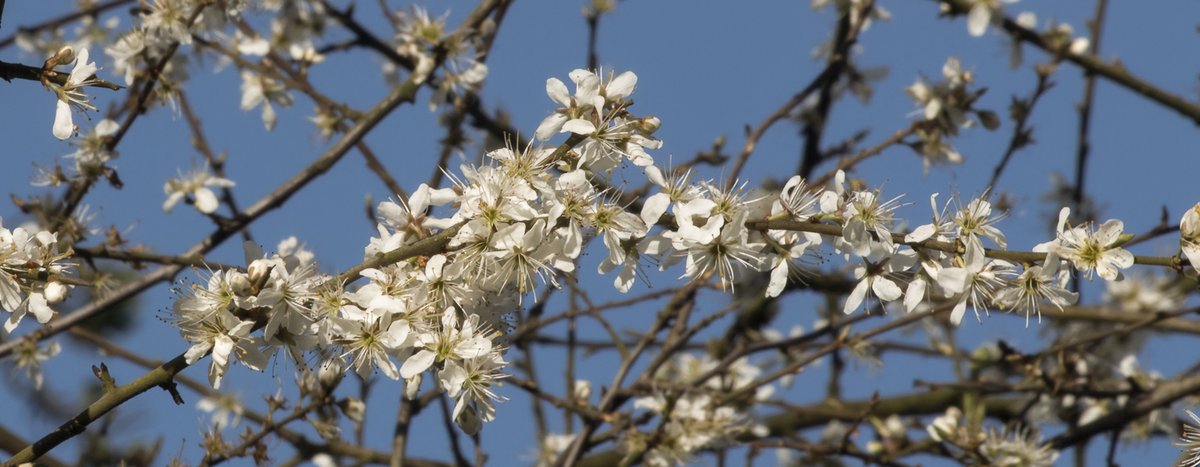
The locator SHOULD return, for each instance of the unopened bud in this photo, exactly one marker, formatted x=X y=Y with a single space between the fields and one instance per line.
x=649 y=125
x=64 y=56
x=1189 y=227
x=989 y=119
x=55 y=292
x=240 y=284
x=412 y=386
x=354 y=409
x=258 y=270
x=583 y=390
x=332 y=370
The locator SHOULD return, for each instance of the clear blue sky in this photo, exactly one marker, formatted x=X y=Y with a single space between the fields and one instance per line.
x=706 y=70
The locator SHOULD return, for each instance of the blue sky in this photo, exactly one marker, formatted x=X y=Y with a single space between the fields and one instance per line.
x=706 y=70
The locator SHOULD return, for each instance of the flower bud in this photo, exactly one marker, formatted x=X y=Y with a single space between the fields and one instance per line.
x=583 y=390
x=64 y=56
x=332 y=370
x=55 y=292
x=239 y=283
x=1189 y=227
x=988 y=119
x=258 y=270
x=649 y=125
x=412 y=386
x=1189 y=236
x=354 y=409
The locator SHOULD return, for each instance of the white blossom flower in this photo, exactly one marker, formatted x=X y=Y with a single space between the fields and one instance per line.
x=195 y=183
x=1045 y=283
x=876 y=275
x=552 y=446
x=976 y=220
x=167 y=20
x=522 y=256
x=1019 y=448
x=975 y=282
x=226 y=410
x=1094 y=251
x=126 y=52
x=945 y=425
x=92 y=150
x=471 y=382
x=599 y=110
x=261 y=90
x=71 y=94
x=865 y=215
x=29 y=356
x=719 y=247
x=370 y=338
x=222 y=334
x=453 y=340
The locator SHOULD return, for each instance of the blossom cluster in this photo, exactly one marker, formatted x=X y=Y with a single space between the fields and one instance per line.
x=33 y=265
x=692 y=418
x=992 y=447
x=521 y=220
x=946 y=106
x=422 y=39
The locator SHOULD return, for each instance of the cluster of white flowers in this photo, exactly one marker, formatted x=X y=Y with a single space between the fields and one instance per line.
x=521 y=219
x=947 y=106
x=693 y=419
x=1001 y=448
x=32 y=266
x=197 y=186
x=422 y=39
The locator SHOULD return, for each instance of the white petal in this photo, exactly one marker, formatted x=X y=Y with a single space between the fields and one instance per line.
x=960 y=309
x=933 y=108
x=654 y=208
x=558 y=92
x=624 y=280
x=779 y=276
x=106 y=127
x=417 y=364
x=206 y=200
x=621 y=86
x=222 y=346
x=196 y=352
x=63 y=126
x=978 y=19
x=172 y=200
x=579 y=126
x=1110 y=231
x=550 y=126
x=268 y=116
x=921 y=233
x=40 y=309
x=915 y=294
x=10 y=293
x=885 y=289
x=1063 y=214
x=1192 y=251
x=856 y=296
x=385 y=366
